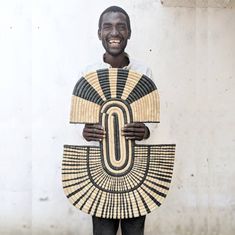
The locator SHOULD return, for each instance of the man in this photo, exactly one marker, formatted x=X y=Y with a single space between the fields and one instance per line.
x=114 y=32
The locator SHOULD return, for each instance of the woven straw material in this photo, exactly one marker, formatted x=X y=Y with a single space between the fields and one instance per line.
x=118 y=179
x=96 y=88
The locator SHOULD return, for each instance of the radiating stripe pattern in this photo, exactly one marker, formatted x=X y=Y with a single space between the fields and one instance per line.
x=118 y=179
x=134 y=89
x=89 y=188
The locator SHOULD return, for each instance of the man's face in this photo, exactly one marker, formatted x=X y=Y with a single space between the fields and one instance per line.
x=114 y=33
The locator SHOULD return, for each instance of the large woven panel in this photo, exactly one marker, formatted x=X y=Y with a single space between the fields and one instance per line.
x=118 y=179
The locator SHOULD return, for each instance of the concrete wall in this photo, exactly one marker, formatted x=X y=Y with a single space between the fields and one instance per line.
x=43 y=47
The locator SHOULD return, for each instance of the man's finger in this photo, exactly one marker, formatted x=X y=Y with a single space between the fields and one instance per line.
x=93 y=130
x=96 y=126
x=92 y=137
x=129 y=134
x=134 y=138
x=132 y=129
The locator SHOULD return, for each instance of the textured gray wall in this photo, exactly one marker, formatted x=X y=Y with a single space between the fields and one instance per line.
x=43 y=47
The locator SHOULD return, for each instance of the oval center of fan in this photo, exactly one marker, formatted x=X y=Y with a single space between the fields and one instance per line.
x=116 y=149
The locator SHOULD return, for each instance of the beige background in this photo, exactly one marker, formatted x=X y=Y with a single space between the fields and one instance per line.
x=44 y=44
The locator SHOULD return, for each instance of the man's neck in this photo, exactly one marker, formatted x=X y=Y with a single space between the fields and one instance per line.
x=119 y=61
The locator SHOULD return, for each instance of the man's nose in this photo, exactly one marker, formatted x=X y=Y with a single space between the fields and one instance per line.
x=114 y=31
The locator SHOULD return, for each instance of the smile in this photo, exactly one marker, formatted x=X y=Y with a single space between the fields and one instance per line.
x=114 y=41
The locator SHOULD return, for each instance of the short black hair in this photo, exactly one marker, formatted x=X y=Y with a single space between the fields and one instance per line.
x=116 y=9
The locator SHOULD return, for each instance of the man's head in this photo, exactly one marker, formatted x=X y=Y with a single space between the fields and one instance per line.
x=116 y=9
x=114 y=30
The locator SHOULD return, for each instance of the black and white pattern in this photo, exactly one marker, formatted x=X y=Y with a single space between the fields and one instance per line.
x=118 y=179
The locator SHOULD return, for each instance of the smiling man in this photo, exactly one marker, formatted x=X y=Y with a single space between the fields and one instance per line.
x=114 y=32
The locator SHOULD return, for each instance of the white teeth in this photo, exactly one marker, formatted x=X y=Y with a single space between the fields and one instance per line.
x=114 y=41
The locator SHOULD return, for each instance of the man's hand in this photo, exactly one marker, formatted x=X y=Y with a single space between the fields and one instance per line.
x=93 y=132
x=135 y=131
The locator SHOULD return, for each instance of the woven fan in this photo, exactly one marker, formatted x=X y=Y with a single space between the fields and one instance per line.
x=118 y=179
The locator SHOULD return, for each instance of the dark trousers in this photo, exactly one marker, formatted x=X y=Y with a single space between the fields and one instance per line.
x=134 y=226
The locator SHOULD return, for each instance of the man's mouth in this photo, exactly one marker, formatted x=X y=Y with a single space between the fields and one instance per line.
x=114 y=42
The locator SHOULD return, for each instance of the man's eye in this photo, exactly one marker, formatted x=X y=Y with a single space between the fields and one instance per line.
x=122 y=27
x=107 y=27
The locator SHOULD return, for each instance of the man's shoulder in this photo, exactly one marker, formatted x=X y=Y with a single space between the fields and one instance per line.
x=140 y=67
x=93 y=67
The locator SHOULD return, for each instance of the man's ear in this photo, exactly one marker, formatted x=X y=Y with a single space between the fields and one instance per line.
x=99 y=34
x=129 y=35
